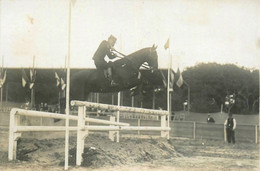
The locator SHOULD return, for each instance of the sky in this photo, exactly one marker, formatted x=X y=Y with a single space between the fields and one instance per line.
x=221 y=31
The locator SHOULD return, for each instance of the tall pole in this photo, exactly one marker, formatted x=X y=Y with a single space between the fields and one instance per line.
x=66 y=165
x=6 y=95
x=153 y=99
x=32 y=90
x=168 y=89
x=2 y=75
x=188 y=95
x=118 y=114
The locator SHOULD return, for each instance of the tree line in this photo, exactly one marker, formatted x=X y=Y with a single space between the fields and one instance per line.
x=209 y=85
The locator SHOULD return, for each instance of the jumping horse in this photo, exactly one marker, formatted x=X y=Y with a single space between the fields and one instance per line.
x=125 y=72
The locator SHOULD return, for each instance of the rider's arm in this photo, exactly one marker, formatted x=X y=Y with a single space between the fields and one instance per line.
x=111 y=55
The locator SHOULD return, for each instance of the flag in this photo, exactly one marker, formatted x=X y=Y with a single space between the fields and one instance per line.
x=32 y=75
x=2 y=79
x=57 y=79
x=171 y=80
x=24 y=78
x=167 y=44
x=163 y=79
x=179 y=82
x=31 y=85
x=63 y=85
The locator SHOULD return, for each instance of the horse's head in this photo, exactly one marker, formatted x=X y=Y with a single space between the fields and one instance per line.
x=152 y=58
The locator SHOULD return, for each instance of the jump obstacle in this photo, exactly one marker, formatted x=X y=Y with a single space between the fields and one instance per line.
x=15 y=129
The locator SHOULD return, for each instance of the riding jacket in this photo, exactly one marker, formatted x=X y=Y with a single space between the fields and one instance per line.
x=103 y=50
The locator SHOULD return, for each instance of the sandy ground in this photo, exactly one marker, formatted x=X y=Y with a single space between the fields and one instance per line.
x=132 y=153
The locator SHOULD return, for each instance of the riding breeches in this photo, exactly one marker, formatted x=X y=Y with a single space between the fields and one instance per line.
x=101 y=64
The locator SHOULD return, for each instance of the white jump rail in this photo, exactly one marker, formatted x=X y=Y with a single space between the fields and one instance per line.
x=120 y=108
x=83 y=129
x=15 y=129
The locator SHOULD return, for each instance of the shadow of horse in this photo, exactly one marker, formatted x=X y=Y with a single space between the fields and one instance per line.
x=125 y=72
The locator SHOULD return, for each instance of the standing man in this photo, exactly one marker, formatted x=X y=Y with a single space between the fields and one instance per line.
x=230 y=124
x=105 y=48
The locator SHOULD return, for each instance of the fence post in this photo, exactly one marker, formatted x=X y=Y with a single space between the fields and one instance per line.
x=111 y=134
x=225 y=133
x=194 y=130
x=163 y=125
x=139 y=124
x=256 y=134
x=13 y=137
x=81 y=134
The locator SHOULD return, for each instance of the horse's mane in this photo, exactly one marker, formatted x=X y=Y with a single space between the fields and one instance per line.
x=136 y=58
x=138 y=53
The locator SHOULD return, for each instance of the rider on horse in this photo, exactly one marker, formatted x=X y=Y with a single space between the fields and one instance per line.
x=105 y=48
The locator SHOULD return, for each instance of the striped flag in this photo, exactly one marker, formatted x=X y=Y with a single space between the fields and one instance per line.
x=32 y=77
x=171 y=80
x=63 y=85
x=163 y=79
x=57 y=79
x=24 y=78
x=2 y=79
x=179 y=82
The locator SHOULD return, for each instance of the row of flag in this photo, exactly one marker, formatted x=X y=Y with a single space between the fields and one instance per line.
x=25 y=80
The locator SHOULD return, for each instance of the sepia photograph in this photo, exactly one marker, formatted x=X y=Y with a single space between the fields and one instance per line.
x=129 y=85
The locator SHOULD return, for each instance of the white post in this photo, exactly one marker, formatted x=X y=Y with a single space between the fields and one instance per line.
x=13 y=137
x=194 y=130
x=118 y=114
x=168 y=91
x=111 y=134
x=81 y=134
x=221 y=108
x=2 y=72
x=256 y=134
x=66 y=163
x=225 y=133
x=163 y=125
x=139 y=124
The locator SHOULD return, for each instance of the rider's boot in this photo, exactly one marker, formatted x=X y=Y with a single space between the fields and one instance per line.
x=106 y=74
x=113 y=83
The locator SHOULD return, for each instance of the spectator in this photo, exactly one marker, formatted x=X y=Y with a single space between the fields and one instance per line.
x=41 y=106
x=230 y=125
x=210 y=119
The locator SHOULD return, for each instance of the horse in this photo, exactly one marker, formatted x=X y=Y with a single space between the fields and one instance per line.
x=125 y=73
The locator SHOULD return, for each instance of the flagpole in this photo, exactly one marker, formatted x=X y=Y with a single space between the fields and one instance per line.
x=2 y=75
x=67 y=95
x=32 y=90
x=168 y=89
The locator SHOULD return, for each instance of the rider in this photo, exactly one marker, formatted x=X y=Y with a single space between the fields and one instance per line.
x=105 y=48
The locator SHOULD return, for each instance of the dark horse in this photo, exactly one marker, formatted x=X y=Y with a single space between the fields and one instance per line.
x=125 y=72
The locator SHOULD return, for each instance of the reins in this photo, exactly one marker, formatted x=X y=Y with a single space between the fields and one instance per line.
x=143 y=65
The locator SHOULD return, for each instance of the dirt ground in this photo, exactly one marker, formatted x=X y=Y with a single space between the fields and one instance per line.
x=132 y=153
